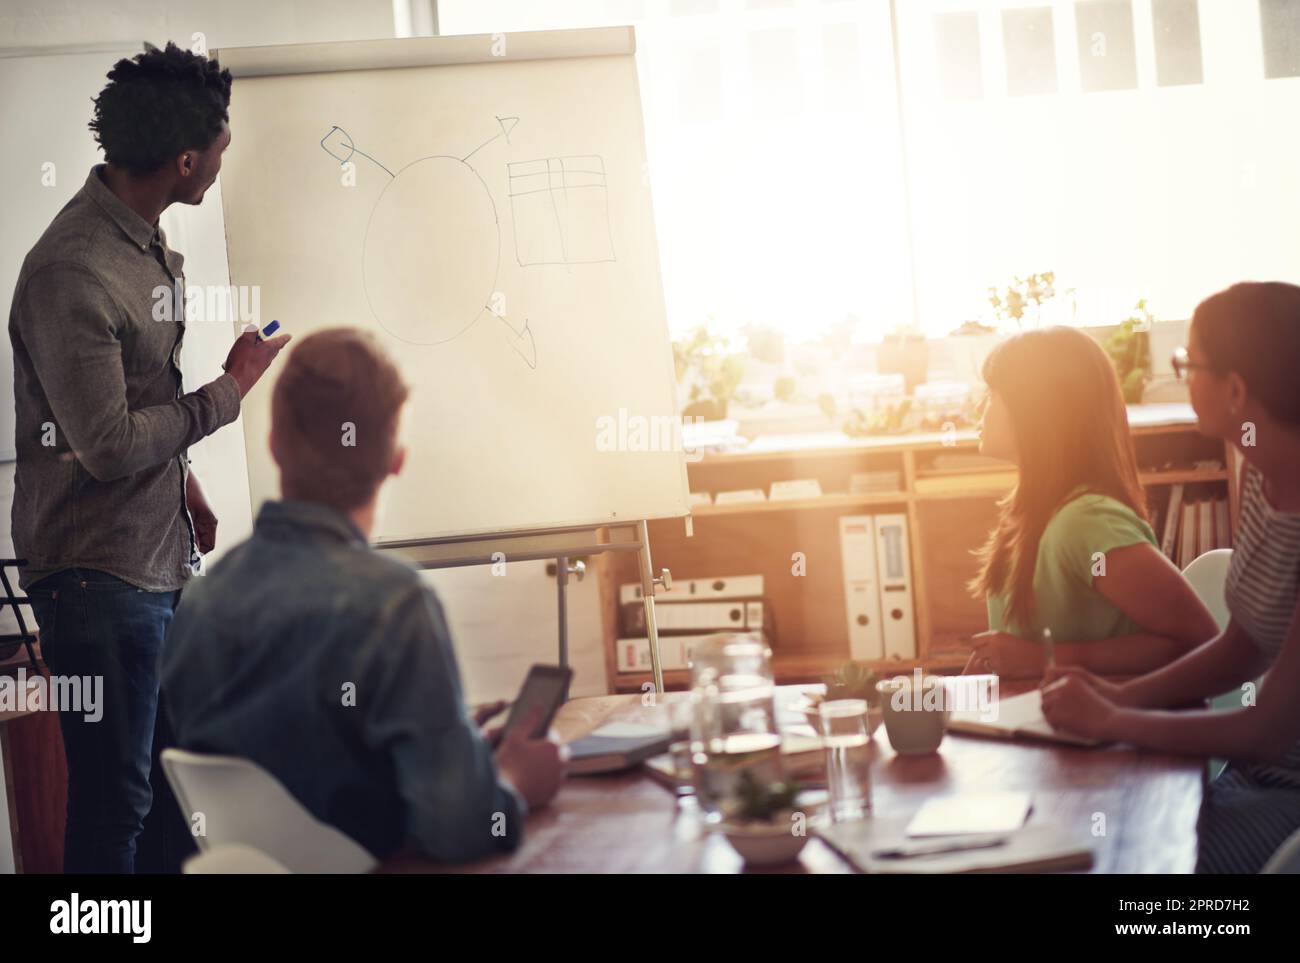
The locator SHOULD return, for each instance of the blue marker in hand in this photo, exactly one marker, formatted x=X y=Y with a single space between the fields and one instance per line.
x=269 y=330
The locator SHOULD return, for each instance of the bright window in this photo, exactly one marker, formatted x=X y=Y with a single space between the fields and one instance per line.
x=1136 y=148
x=1164 y=166
x=772 y=136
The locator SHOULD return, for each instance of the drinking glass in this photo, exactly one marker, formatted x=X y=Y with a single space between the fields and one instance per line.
x=848 y=758
x=681 y=713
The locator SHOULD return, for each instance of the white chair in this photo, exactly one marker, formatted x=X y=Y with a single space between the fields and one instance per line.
x=1287 y=858
x=243 y=804
x=1207 y=574
x=232 y=859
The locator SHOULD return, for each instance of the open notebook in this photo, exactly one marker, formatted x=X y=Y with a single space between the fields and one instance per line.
x=1019 y=716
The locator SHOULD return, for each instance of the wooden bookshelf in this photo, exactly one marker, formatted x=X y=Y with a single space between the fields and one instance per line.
x=949 y=514
x=842 y=501
x=973 y=486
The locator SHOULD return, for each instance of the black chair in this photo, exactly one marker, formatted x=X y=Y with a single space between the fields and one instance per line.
x=10 y=641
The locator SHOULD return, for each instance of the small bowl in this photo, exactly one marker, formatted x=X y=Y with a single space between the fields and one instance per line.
x=763 y=844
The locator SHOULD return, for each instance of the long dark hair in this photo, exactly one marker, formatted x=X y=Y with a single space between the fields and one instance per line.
x=1071 y=430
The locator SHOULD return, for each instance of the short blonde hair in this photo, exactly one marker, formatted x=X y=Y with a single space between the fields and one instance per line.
x=334 y=418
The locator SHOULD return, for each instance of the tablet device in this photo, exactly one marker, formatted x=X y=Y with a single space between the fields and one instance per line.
x=546 y=686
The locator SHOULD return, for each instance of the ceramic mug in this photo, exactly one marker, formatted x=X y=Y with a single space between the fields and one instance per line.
x=915 y=711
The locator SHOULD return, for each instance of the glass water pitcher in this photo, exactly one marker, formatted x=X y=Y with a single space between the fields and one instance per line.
x=734 y=734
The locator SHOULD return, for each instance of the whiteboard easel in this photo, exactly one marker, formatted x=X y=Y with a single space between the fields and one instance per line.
x=597 y=315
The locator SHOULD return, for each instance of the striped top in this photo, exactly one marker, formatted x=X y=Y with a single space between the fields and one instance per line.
x=1263 y=587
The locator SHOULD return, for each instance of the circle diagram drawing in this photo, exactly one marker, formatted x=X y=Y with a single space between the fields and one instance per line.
x=431 y=251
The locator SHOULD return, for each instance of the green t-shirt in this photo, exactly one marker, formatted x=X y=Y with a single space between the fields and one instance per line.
x=1064 y=598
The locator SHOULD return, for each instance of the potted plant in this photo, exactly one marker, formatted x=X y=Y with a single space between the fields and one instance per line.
x=891 y=418
x=702 y=361
x=904 y=351
x=1011 y=303
x=966 y=347
x=1130 y=351
x=761 y=827
x=852 y=680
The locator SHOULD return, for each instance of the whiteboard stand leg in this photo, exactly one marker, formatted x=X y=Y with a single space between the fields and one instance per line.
x=562 y=606
x=648 y=583
x=563 y=569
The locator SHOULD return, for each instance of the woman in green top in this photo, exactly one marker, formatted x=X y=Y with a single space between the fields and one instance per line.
x=1072 y=551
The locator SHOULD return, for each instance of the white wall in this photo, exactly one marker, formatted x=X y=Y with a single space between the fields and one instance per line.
x=197 y=231
x=45 y=23
x=504 y=623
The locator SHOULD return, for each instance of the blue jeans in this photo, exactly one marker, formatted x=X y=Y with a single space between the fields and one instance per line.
x=93 y=624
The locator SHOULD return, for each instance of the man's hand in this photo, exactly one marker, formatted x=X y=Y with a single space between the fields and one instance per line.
x=489 y=711
x=205 y=520
x=485 y=714
x=535 y=767
x=250 y=357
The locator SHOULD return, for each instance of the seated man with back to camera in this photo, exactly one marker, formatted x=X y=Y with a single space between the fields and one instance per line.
x=331 y=665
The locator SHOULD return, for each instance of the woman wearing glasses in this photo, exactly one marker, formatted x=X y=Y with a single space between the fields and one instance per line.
x=1243 y=372
x=1072 y=551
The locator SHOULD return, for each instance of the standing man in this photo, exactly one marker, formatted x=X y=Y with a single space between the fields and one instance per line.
x=105 y=511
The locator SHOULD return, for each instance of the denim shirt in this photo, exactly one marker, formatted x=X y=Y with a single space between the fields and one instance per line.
x=330 y=665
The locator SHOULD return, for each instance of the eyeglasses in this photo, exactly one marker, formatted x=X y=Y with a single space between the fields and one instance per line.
x=1183 y=363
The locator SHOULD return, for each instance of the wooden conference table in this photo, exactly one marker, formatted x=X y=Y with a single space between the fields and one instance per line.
x=629 y=823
